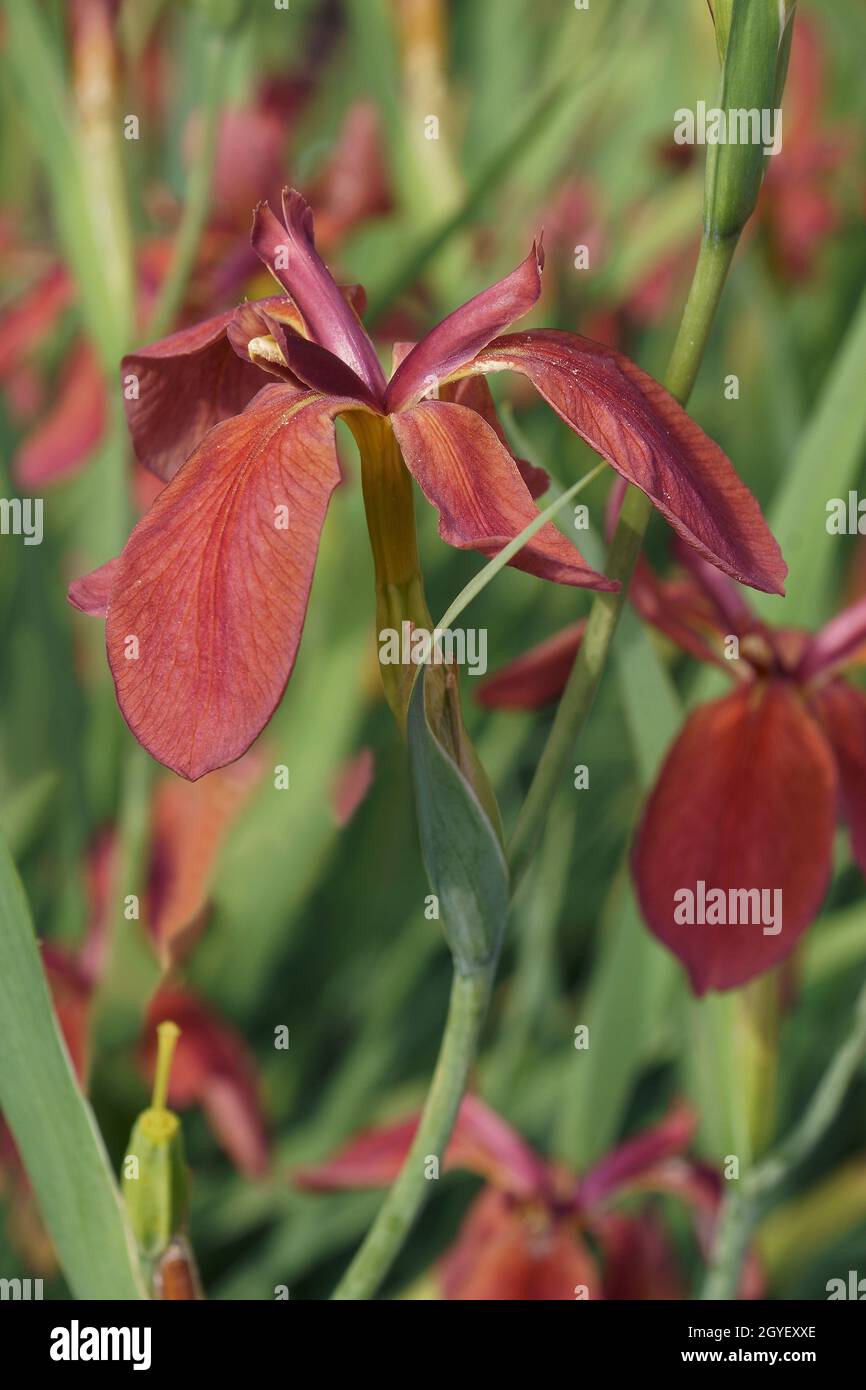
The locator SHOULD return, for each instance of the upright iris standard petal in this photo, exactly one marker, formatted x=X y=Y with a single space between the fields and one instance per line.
x=176 y=389
x=210 y=593
x=290 y=254
x=631 y=420
x=483 y=502
x=271 y=333
x=632 y=1160
x=841 y=642
x=842 y=711
x=457 y=339
x=732 y=858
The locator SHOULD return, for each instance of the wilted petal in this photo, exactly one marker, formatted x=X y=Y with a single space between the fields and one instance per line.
x=505 y=1254
x=457 y=339
x=481 y=1141
x=180 y=387
x=842 y=711
x=483 y=502
x=210 y=593
x=190 y=824
x=92 y=591
x=212 y=1068
x=290 y=254
x=745 y=801
x=536 y=678
x=631 y=420
x=72 y=428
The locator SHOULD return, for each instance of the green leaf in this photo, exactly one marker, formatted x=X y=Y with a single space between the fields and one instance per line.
x=52 y=1122
x=824 y=466
x=462 y=853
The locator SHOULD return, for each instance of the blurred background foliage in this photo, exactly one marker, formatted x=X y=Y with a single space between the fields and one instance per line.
x=548 y=116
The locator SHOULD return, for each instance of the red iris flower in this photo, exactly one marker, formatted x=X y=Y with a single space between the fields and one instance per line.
x=206 y=604
x=748 y=796
x=537 y=1232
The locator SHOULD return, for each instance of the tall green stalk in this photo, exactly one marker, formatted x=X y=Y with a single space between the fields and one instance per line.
x=467 y=1010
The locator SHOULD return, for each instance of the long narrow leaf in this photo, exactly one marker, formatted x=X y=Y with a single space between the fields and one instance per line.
x=51 y=1120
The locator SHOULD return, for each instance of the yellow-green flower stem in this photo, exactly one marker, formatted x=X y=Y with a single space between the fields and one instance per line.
x=390 y=511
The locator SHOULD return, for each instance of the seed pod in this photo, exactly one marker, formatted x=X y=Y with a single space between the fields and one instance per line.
x=155 y=1180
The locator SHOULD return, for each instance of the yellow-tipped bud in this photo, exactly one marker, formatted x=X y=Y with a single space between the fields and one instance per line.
x=155 y=1182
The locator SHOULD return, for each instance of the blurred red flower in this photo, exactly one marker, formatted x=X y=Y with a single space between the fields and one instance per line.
x=538 y=1232
x=748 y=797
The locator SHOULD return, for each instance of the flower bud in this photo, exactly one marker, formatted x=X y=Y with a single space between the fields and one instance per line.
x=754 y=39
x=155 y=1180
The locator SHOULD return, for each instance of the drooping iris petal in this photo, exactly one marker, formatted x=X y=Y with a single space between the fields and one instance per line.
x=842 y=711
x=71 y=429
x=631 y=420
x=92 y=591
x=461 y=335
x=212 y=1068
x=290 y=254
x=536 y=678
x=503 y=1253
x=633 y=1158
x=481 y=1141
x=739 y=826
x=473 y=392
x=639 y=1258
x=482 y=501
x=179 y=388
x=210 y=593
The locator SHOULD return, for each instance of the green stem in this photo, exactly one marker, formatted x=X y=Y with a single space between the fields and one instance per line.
x=466 y=1013
x=198 y=193
x=743 y=1207
x=710 y=272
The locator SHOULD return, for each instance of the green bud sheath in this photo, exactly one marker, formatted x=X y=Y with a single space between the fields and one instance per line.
x=753 y=38
x=155 y=1182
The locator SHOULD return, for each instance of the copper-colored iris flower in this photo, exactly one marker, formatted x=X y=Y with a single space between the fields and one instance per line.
x=537 y=1232
x=748 y=797
x=206 y=604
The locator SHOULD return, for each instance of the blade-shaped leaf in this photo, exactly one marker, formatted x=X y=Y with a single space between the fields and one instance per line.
x=51 y=1121
x=461 y=850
